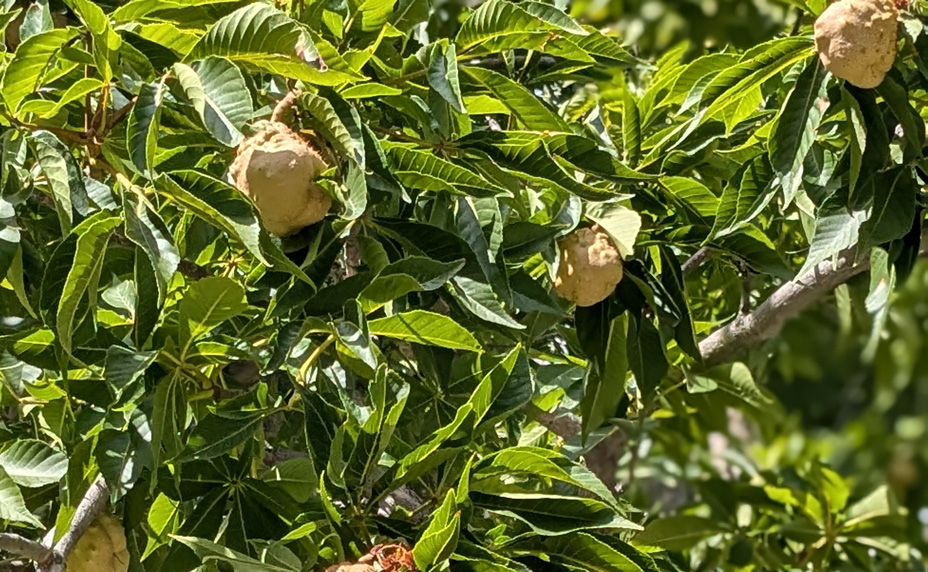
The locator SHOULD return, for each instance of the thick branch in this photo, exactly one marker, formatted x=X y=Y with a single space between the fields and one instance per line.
x=733 y=339
x=94 y=501
x=748 y=330
x=20 y=546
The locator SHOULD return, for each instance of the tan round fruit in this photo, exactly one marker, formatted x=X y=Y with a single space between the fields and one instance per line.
x=590 y=268
x=276 y=168
x=101 y=549
x=856 y=40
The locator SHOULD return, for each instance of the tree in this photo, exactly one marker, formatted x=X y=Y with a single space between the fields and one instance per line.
x=400 y=379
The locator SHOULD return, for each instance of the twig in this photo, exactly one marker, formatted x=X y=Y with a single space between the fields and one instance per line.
x=745 y=289
x=120 y=113
x=283 y=106
x=693 y=263
x=21 y=546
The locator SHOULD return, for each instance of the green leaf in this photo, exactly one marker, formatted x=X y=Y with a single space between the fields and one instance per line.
x=498 y=19
x=209 y=552
x=631 y=128
x=835 y=231
x=216 y=435
x=218 y=92
x=146 y=229
x=208 y=303
x=369 y=90
x=12 y=506
x=142 y=134
x=677 y=532
x=47 y=109
x=756 y=67
x=423 y=170
x=412 y=274
x=440 y=536
x=796 y=127
x=586 y=552
x=32 y=463
x=262 y=38
x=621 y=224
x=374 y=14
x=443 y=74
x=225 y=207
x=605 y=388
x=692 y=195
x=338 y=121
x=61 y=173
x=25 y=71
x=92 y=237
x=742 y=198
x=422 y=327
x=124 y=366
x=529 y=110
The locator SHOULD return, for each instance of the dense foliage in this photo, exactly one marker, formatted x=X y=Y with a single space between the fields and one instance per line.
x=403 y=372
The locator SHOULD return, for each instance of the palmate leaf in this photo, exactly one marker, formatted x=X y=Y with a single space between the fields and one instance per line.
x=338 y=121
x=62 y=175
x=835 y=231
x=440 y=536
x=209 y=552
x=263 y=38
x=552 y=514
x=677 y=532
x=49 y=108
x=692 y=195
x=526 y=155
x=146 y=229
x=743 y=197
x=373 y=14
x=443 y=74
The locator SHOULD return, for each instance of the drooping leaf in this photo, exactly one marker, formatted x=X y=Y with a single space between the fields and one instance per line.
x=422 y=327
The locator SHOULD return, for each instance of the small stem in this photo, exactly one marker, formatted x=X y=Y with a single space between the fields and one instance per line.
x=283 y=106
x=694 y=262
x=304 y=369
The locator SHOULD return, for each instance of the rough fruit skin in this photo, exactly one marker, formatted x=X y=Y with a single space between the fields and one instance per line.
x=590 y=269
x=856 y=40
x=101 y=549
x=276 y=168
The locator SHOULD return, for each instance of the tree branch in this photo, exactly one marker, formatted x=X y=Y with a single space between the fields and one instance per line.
x=91 y=504
x=736 y=337
x=748 y=330
x=21 y=546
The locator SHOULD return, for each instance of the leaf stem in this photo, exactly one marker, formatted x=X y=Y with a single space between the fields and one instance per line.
x=311 y=359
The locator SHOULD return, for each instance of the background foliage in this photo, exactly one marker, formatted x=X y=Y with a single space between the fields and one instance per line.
x=403 y=371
